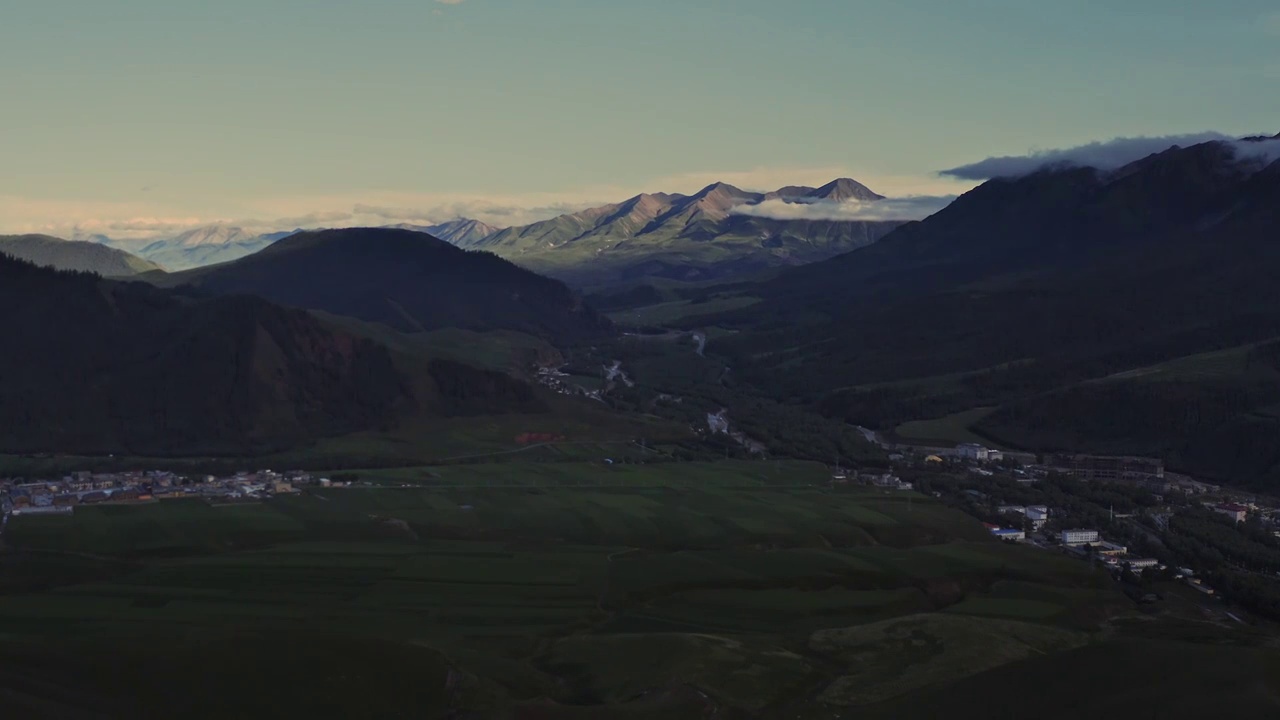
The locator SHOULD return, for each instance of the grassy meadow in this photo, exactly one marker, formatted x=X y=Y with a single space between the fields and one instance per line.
x=569 y=590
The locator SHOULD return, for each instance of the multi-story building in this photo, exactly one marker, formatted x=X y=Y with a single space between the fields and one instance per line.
x=1080 y=537
x=1038 y=515
x=1108 y=467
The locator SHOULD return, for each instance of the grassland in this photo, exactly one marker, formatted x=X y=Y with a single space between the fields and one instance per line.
x=674 y=311
x=601 y=472
x=950 y=430
x=582 y=591
x=588 y=429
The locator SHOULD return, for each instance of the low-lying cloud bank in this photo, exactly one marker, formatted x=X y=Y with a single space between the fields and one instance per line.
x=1108 y=155
x=915 y=207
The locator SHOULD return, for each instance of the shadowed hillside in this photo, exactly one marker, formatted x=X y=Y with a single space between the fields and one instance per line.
x=126 y=368
x=1025 y=286
x=79 y=256
x=407 y=280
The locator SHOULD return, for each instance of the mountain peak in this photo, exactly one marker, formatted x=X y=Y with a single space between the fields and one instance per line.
x=721 y=189
x=844 y=189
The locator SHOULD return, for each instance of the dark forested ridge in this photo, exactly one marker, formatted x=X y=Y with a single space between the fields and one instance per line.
x=1024 y=288
x=407 y=280
x=96 y=366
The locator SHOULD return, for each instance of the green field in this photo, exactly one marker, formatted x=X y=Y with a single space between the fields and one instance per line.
x=683 y=589
x=670 y=312
x=599 y=473
x=590 y=431
x=949 y=430
x=1228 y=363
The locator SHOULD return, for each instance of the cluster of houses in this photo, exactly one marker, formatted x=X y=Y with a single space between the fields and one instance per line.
x=1113 y=554
x=1079 y=541
x=875 y=478
x=1036 y=516
x=561 y=382
x=62 y=496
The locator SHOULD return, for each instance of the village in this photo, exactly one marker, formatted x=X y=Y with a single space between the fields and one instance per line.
x=1151 y=535
x=62 y=496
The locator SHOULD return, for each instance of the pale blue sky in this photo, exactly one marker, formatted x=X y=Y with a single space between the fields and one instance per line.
x=183 y=111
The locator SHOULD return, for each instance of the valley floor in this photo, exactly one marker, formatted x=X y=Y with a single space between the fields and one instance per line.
x=578 y=590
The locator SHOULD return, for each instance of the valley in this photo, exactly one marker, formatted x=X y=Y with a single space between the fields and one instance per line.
x=502 y=360
x=649 y=489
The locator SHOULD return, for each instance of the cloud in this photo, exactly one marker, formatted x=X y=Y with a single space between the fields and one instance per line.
x=763 y=179
x=153 y=215
x=1109 y=155
x=914 y=207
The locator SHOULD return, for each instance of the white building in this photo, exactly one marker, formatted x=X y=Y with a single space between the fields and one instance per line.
x=973 y=451
x=1009 y=534
x=1079 y=537
x=1038 y=515
x=1012 y=510
x=1140 y=563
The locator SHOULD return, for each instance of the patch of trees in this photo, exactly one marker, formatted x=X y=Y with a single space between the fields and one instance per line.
x=1212 y=538
x=468 y=390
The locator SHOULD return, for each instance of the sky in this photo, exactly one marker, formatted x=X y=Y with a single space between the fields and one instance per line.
x=144 y=116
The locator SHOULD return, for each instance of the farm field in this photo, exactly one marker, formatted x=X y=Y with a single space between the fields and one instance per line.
x=686 y=589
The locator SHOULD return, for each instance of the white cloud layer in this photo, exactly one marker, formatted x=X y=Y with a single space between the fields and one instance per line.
x=1108 y=155
x=900 y=208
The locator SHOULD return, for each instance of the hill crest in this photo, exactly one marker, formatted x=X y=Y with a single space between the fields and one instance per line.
x=408 y=280
x=79 y=256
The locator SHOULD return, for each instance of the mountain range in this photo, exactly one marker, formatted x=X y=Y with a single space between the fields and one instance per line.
x=207 y=246
x=79 y=256
x=463 y=232
x=709 y=235
x=1040 y=300
x=197 y=247
x=404 y=279
x=686 y=237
